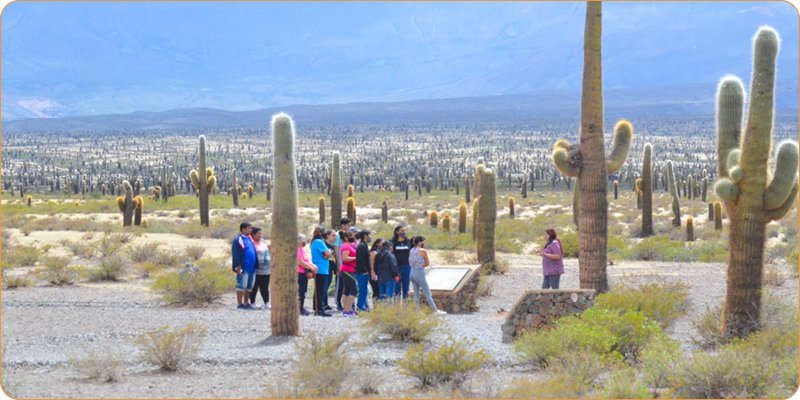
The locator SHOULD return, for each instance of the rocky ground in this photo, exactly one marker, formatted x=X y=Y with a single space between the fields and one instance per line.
x=42 y=327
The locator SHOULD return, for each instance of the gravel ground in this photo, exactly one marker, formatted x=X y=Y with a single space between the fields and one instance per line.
x=43 y=326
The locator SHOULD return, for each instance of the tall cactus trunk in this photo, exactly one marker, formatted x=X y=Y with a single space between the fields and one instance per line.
x=673 y=191
x=285 y=318
x=647 y=190
x=462 y=217
x=235 y=190
x=593 y=207
x=203 y=184
x=127 y=214
x=487 y=217
x=466 y=190
x=336 y=194
x=164 y=184
x=321 y=210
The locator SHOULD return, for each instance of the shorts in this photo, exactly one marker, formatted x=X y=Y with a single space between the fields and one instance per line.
x=349 y=282
x=244 y=283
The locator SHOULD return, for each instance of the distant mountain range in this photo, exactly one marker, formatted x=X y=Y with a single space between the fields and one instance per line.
x=693 y=99
x=63 y=59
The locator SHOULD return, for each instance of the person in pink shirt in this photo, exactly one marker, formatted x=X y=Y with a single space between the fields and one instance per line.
x=304 y=269
x=552 y=260
x=348 y=271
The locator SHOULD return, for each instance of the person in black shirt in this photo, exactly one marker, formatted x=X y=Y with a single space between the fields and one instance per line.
x=363 y=268
x=402 y=248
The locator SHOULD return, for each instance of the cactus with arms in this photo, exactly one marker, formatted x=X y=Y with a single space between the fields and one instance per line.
x=753 y=195
x=126 y=204
x=203 y=186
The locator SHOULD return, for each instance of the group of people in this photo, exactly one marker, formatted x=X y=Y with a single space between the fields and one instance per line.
x=389 y=267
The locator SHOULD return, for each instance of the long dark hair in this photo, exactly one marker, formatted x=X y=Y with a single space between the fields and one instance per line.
x=384 y=251
x=417 y=240
x=376 y=245
x=319 y=232
x=552 y=236
x=397 y=235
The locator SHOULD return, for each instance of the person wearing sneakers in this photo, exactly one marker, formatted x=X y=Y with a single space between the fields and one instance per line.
x=262 y=273
x=245 y=263
x=418 y=258
x=348 y=270
x=305 y=271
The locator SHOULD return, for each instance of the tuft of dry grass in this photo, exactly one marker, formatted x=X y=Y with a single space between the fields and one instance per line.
x=171 y=349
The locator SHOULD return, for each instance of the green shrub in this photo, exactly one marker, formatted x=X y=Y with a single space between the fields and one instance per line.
x=582 y=366
x=661 y=299
x=195 y=252
x=555 y=387
x=321 y=368
x=16 y=281
x=660 y=359
x=56 y=272
x=144 y=252
x=78 y=248
x=401 y=321
x=622 y=384
x=20 y=255
x=168 y=258
x=111 y=268
x=707 y=325
x=104 y=365
x=540 y=347
x=171 y=350
x=630 y=330
x=206 y=285
x=453 y=362
x=793 y=259
x=569 y=240
x=106 y=247
x=147 y=270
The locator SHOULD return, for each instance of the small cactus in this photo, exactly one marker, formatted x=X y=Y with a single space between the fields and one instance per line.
x=349 y=190
x=717 y=216
x=710 y=212
x=250 y=192
x=127 y=205
x=29 y=200
x=616 y=190
x=446 y=222
x=385 y=211
x=336 y=193
x=511 y=205
x=138 y=207
x=321 y=210
x=351 y=209
x=434 y=219
x=647 y=190
x=673 y=191
x=690 y=229
x=462 y=216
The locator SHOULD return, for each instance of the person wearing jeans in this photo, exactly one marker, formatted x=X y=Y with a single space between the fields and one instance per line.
x=402 y=247
x=386 y=269
x=552 y=260
x=418 y=258
x=363 y=269
x=304 y=269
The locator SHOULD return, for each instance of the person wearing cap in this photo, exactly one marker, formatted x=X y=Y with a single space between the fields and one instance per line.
x=304 y=269
x=245 y=263
x=363 y=269
x=347 y=272
x=346 y=224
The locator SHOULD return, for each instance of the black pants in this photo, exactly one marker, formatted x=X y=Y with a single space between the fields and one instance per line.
x=339 y=290
x=302 y=281
x=262 y=283
x=551 y=281
x=321 y=284
x=376 y=289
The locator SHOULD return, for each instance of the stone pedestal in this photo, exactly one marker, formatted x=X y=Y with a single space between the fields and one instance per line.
x=462 y=298
x=538 y=309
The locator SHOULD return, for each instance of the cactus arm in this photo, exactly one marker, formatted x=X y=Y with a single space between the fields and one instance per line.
x=195 y=179
x=561 y=161
x=729 y=117
x=732 y=160
x=212 y=182
x=787 y=205
x=736 y=174
x=726 y=190
x=620 y=146
x=785 y=176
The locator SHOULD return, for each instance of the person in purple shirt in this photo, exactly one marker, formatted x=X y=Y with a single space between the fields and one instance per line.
x=552 y=260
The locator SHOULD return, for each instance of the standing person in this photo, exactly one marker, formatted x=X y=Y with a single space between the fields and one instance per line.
x=347 y=272
x=552 y=260
x=373 y=282
x=386 y=269
x=363 y=269
x=305 y=271
x=263 y=270
x=320 y=254
x=418 y=257
x=402 y=248
x=243 y=253
x=346 y=224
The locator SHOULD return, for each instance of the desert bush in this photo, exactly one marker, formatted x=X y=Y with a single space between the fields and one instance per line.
x=706 y=324
x=485 y=285
x=660 y=299
x=146 y=269
x=401 y=321
x=101 y=364
x=173 y=349
x=120 y=237
x=168 y=258
x=660 y=358
x=622 y=384
x=55 y=271
x=553 y=387
x=5 y=239
x=630 y=329
x=16 y=281
x=223 y=233
x=584 y=367
x=540 y=347
x=193 y=231
x=793 y=259
x=569 y=240
x=195 y=252
x=20 y=255
x=773 y=276
x=143 y=252
x=321 y=368
x=111 y=268
x=78 y=248
x=497 y=267
x=106 y=247
x=455 y=361
x=205 y=285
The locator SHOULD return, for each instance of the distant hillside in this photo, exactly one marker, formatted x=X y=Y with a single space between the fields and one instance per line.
x=693 y=99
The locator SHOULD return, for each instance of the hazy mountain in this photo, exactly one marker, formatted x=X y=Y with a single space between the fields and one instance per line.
x=84 y=58
x=692 y=99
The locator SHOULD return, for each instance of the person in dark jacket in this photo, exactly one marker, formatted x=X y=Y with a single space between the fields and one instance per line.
x=386 y=269
x=245 y=263
x=363 y=269
x=402 y=248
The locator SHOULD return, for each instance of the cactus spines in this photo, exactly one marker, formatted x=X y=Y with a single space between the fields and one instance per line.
x=620 y=146
x=673 y=191
x=127 y=212
x=748 y=200
x=434 y=219
x=487 y=217
x=511 y=204
x=285 y=318
x=336 y=193
x=690 y=229
x=138 y=207
x=647 y=190
x=710 y=212
x=475 y=210
x=446 y=222
x=385 y=212
x=462 y=217
x=203 y=186
x=717 y=215
x=466 y=189
x=351 y=209
x=321 y=210
x=350 y=191
x=729 y=117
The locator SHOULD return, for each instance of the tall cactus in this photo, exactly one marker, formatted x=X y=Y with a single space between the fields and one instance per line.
x=753 y=194
x=466 y=190
x=446 y=220
x=235 y=192
x=138 y=208
x=321 y=210
x=285 y=318
x=511 y=204
x=385 y=211
x=351 y=210
x=717 y=216
x=336 y=193
x=475 y=212
x=462 y=217
x=588 y=160
x=487 y=217
x=203 y=186
x=690 y=229
x=164 y=183
x=710 y=212
x=126 y=206
x=250 y=191
x=434 y=219
x=647 y=190
x=673 y=191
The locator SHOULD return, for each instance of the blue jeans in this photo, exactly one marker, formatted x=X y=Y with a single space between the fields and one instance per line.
x=363 y=283
x=387 y=290
x=551 y=281
x=244 y=282
x=328 y=281
x=405 y=281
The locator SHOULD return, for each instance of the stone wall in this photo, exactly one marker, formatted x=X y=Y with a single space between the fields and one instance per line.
x=537 y=309
x=465 y=300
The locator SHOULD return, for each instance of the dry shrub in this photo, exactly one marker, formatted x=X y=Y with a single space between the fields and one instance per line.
x=774 y=276
x=78 y=248
x=553 y=387
x=485 y=285
x=661 y=299
x=144 y=252
x=55 y=271
x=20 y=255
x=16 y=281
x=622 y=384
x=707 y=326
x=173 y=349
x=168 y=258
x=106 y=247
x=120 y=237
x=454 y=362
x=400 y=321
x=194 y=286
x=195 y=252
x=111 y=268
x=499 y=266
x=100 y=364
x=147 y=270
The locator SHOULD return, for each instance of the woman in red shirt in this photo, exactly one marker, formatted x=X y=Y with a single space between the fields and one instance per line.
x=348 y=272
